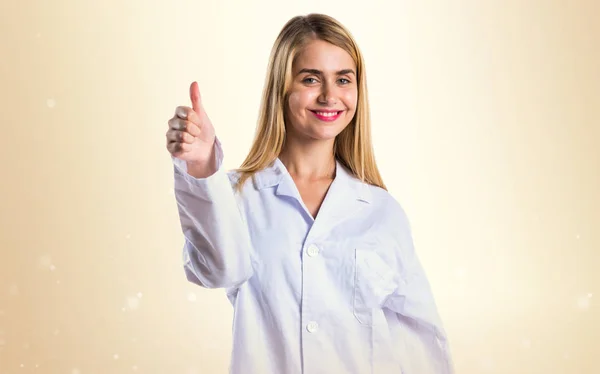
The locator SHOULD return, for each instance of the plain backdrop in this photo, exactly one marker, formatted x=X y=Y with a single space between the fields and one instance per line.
x=486 y=129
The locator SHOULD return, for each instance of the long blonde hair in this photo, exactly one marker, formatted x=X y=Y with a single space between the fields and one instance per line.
x=353 y=146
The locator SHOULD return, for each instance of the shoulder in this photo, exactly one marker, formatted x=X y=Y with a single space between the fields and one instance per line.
x=389 y=226
x=244 y=185
x=233 y=176
x=388 y=208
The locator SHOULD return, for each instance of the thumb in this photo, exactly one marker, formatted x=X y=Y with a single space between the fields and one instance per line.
x=195 y=97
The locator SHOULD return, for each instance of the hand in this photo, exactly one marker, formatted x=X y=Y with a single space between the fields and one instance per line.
x=191 y=135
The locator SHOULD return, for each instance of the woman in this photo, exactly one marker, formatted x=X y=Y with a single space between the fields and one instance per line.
x=316 y=256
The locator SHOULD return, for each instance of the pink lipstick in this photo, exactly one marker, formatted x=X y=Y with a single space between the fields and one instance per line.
x=327 y=115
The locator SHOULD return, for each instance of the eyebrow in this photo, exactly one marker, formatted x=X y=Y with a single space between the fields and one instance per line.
x=319 y=72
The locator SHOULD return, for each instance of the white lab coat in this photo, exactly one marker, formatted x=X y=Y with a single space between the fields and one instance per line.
x=344 y=293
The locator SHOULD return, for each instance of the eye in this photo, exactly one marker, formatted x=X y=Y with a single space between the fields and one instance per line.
x=344 y=81
x=309 y=80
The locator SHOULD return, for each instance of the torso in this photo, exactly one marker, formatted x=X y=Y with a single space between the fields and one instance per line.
x=326 y=271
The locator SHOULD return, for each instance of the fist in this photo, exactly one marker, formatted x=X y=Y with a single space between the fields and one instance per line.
x=191 y=135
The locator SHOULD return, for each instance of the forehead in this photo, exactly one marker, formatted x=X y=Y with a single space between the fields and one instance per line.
x=322 y=55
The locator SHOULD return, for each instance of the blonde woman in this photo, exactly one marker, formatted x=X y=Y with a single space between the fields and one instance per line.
x=315 y=255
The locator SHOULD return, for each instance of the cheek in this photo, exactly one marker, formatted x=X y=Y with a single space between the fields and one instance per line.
x=351 y=100
x=295 y=103
x=299 y=101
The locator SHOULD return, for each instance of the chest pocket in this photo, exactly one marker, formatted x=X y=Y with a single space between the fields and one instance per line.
x=374 y=281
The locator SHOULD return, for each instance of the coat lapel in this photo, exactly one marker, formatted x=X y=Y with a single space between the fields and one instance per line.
x=345 y=198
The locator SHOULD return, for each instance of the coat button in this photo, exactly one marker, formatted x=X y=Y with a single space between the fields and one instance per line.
x=312 y=327
x=312 y=250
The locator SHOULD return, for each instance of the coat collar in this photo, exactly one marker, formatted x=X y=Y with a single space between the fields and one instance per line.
x=346 y=184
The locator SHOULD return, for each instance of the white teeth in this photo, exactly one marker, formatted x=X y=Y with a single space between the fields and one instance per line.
x=327 y=114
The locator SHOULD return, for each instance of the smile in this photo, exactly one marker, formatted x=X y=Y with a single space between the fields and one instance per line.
x=327 y=115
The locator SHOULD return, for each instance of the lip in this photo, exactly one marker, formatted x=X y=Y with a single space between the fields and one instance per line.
x=328 y=118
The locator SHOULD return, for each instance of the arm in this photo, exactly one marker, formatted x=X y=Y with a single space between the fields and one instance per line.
x=216 y=252
x=426 y=340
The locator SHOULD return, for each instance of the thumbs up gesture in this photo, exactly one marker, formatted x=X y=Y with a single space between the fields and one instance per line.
x=191 y=135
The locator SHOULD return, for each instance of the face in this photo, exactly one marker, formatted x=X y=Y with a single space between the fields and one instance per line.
x=323 y=94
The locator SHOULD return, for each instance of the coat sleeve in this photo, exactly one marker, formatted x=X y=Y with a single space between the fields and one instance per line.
x=217 y=247
x=425 y=342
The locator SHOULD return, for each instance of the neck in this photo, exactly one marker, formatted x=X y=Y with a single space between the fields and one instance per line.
x=309 y=161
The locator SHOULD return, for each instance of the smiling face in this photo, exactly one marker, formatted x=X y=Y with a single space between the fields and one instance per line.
x=323 y=93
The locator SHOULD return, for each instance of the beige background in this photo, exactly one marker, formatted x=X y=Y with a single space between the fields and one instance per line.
x=486 y=125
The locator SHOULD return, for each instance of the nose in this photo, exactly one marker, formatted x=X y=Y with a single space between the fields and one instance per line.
x=328 y=96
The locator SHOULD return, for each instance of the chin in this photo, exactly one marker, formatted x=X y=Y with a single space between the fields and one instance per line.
x=326 y=133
